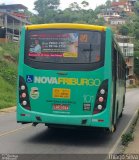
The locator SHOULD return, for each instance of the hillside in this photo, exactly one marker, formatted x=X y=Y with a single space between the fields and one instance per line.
x=8 y=74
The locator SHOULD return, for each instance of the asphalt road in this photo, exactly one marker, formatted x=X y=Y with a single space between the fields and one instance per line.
x=25 y=139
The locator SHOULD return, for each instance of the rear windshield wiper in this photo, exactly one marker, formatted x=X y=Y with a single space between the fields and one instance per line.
x=90 y=49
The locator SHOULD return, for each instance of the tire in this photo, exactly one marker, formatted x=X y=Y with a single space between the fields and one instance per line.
x=110 y=130
x=121 y=114
x=113 y=128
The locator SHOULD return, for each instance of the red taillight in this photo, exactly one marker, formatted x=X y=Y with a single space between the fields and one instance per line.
x=27 y=107
x=24 y=95
x=101 y=99
x=96 y=111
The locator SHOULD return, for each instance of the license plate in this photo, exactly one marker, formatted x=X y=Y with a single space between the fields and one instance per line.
x=61 y=93
x=60 y=107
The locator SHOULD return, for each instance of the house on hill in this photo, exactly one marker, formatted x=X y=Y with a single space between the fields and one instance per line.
x=117 y=21
x=12 y=18
x=118 y=11
x=122 y=5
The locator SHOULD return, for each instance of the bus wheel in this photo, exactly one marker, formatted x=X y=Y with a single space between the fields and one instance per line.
x=113 y=128
x=110 y=130
x=121 y=114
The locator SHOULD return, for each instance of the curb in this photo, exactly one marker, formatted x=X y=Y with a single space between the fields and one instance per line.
x=117 y=147
x=8 y=110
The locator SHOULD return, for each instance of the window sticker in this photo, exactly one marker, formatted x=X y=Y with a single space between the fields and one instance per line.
x=34 y=93
x=84 y=38
x=53 y=45
x=64 y=46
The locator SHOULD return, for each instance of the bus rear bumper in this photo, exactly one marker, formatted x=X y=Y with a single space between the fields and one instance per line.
x=25 y=116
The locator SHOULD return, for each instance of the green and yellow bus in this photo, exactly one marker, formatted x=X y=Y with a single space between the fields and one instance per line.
x=70 y=75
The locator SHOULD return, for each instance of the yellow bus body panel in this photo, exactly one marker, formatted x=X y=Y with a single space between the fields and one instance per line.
x=66 y=26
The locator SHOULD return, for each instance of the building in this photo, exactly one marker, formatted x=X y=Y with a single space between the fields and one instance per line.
x=118 y=11
x=107 y=14
x=12 y=18
x=128 y=51
x=132 y=2
x=121 y=5
x=117 y=21
x=127 y=47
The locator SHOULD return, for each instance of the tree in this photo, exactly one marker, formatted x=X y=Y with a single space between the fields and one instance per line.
x=74 y=6
x=100 y=21
x=136 y=7
x=100 y=8
x=137 y=34
x=124 y=30
x=48 y=12
x=136 y=63
x=108 y=3
x=47 y=9
x=85 y=4
x=42 y=5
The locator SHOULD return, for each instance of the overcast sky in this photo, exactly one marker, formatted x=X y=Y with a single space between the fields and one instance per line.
x=64 y=3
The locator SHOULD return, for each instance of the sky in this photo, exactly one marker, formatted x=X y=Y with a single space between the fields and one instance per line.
x=64 y=3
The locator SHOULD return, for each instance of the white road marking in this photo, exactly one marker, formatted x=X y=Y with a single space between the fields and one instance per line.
x=13 y=131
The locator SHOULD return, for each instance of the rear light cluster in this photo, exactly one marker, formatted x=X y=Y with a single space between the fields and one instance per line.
x=101 y=97
x=23 y=94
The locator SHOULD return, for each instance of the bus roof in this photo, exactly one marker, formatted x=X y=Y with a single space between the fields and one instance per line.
x=65 y=26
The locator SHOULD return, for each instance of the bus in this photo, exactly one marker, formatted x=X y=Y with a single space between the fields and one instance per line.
x=70 y=75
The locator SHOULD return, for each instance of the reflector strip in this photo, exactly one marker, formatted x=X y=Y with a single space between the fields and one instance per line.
x=100 y=120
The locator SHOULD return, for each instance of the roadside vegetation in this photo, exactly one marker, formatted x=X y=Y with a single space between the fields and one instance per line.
x=129 y=136
x=8 y=74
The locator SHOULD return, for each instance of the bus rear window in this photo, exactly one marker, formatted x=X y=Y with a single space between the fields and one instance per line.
x=64 y=46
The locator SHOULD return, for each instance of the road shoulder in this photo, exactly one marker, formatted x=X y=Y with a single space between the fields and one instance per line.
x=133 y=147
x=118 y=147
x=8 y=110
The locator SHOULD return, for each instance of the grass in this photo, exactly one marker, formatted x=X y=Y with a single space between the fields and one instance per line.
x=7 y=95
x=8 y=71
x=8 y=74
x=10 y=48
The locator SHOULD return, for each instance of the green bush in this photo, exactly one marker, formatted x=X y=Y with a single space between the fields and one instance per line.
x=126 y=138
